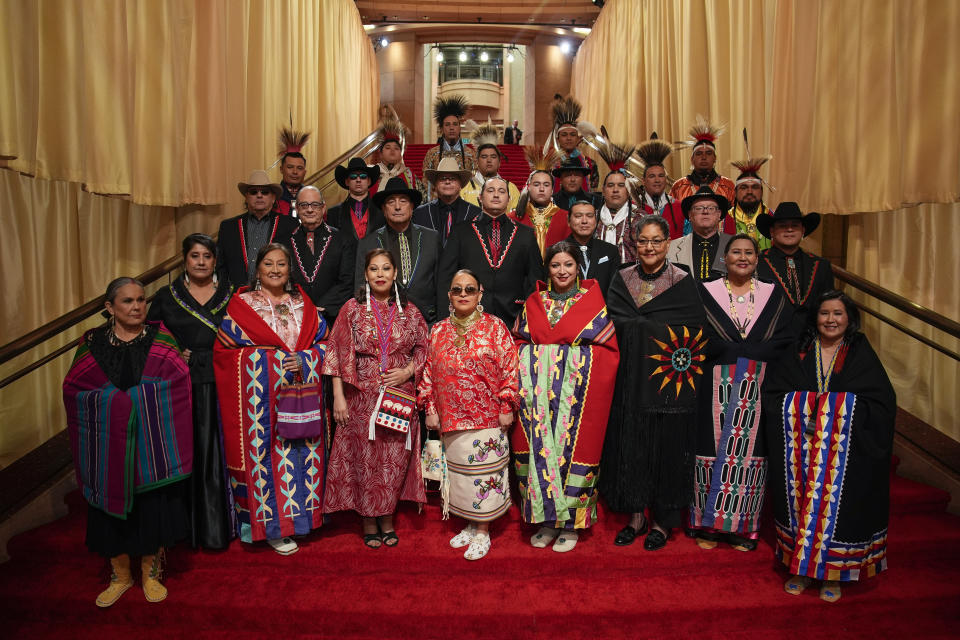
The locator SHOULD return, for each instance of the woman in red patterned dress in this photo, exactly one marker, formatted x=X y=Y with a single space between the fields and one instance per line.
x=379 y=340
x=469 y=393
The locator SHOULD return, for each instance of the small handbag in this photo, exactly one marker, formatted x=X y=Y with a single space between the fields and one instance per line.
x=431 y=460
x=394 y=410
x=299 y=412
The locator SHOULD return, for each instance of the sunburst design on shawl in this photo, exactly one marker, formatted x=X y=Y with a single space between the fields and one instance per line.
x=680 y=358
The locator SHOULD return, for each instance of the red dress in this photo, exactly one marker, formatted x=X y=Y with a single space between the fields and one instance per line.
x=370 y=476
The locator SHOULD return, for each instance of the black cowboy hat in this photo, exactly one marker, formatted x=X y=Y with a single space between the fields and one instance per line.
x=396 y=186
x=788 y=211
x=705 y=193
x=570 y=164
x=356 y=165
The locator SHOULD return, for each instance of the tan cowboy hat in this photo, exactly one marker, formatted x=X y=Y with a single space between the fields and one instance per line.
x=259 y=178
x=448 y=165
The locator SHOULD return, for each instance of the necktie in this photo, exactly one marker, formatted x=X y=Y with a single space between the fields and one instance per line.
x=359 y=224
x=793 y=280
x=704 y=259
x=449 y=222
x=310 y=240
x=358 y=210
x=586 y=261
x=495 y=241
x=404 y=259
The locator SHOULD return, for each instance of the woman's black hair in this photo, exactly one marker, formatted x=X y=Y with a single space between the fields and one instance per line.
x=653 y=219
x=564 y=246
x=262 y=253
x=361 y=293
x=203 y=240
x=743 y=236
x=853 y=318
x=465 y=272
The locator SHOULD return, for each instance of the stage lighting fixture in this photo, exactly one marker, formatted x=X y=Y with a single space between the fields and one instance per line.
x=483 y=56
x=565 y=46
x=463 y=56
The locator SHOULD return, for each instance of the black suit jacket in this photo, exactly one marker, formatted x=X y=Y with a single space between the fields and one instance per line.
x=604 y=262
x=424 y=258
x=505 y=287
x=340 y=217
x=815 y=276
x=329 y=284
x=232 y=263
x=512 y=135
x=432 y=215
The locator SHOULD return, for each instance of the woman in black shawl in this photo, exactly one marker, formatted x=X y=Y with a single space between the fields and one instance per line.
x=648 y=452
x=829 y=417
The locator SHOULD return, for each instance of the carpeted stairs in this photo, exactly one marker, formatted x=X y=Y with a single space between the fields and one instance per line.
x=334 y=587
x=513 y=167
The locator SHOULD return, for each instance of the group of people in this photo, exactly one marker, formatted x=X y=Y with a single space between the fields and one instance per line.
x=622 y=343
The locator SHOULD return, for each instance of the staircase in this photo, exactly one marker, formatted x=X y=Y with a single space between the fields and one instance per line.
x=513 y=167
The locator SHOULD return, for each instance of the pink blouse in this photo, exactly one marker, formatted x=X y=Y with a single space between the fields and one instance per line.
x=718 y=290
x=284 y=318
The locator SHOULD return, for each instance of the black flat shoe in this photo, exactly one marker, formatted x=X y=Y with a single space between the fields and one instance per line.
x=372 y=540
x=656 y=539
x=390 y=538
x=741 y=544
x=628 y=534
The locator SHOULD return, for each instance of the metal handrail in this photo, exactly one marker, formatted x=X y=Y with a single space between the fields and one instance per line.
x=919 y=312
x=90 y=308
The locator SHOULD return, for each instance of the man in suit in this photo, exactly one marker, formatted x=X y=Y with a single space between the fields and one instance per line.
x=802 y=276
x=512 y=135
x=356 y=215
x=448 y=209
x=503 y=254
x=323 y=257
x=241 y=237
x=701 y=251
x=415 y=249
x=600 y=259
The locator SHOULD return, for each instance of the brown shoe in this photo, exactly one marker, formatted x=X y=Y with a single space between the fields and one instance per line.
x=120 y=581
x=150 y=567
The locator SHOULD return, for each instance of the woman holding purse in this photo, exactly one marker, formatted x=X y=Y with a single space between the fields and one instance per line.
x=375 y=356
x=469 y=393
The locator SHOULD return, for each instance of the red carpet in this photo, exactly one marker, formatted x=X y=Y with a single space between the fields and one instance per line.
x=513 y=167
x=423 y=589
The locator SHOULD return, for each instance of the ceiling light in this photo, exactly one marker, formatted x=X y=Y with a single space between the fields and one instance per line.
x=584 y=31
x=463 y=56
x=384 y=42
x=439 y=56
x=564 y=46
x=367 y=27
x=484 y=57
x=509 y=57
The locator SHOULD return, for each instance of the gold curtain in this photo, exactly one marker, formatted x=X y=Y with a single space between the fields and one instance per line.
x=170 y=102
x=856 y=101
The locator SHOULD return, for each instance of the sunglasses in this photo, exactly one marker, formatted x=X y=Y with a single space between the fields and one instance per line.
x=469 y=290
x=252 y=191
x=357 y=176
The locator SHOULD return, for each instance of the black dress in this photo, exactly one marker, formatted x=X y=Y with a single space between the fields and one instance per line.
x=195 y=327
x=158 y=518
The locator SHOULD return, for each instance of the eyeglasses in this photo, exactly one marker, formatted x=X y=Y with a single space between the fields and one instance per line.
x=705 y=208
x=357 y=176
x=469 y=290
x=310 y=205
x=252 y=191
x=656 y=243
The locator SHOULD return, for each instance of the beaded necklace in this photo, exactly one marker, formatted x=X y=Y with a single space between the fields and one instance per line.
x=740 y=325
x=383 y=334
x=823 y=378
x=316 y=268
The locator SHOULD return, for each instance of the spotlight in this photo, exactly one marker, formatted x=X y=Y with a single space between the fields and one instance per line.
x=463 y=56
x=509 y=57
x=564 y=47
x=484 y=57
x=439 y=56
x=384 y=42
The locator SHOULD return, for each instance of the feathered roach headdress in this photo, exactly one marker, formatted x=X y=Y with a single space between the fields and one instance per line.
x=485 y=135
x=538 y=159
x=566 y=113
x=616 y=155
x=702 y=132
x=392 y=130
x=653 y=152
x=452 y=105
x=292 y=142
x=750 y=167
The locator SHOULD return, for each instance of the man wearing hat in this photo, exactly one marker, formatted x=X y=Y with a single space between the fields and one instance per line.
x=567 y=136
x=415 y=249
x=447 y=209
x=570 y=175
x=701 y=251
x=391 y=139
x=293 y=169
x=655 y=180
x=241 y=237
x=748 y=194
x=616 y=215
x=356 y=215
x=503 y=254
x=448 y=112
x=323 y=257
x=488 y=165
x=803 y=277
x=703 y=158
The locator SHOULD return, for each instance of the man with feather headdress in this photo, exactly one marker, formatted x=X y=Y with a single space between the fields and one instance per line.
x=293 y=169
x=703 y=158
x=654 y=182
x=566 y=138
x=748 y=196
x=484 y=140
x=616 y=213
x=535 y=207
x=391 y=143
x=448 y=111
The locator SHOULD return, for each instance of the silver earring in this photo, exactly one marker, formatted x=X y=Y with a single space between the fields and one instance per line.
x=186 y=279
x=396 y=291
x=450 y=307
x=367 y=284
x=480 y=308
x=257 y=285
x=216 y=280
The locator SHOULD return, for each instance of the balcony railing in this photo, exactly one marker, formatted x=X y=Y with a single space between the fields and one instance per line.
x=470 y=71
